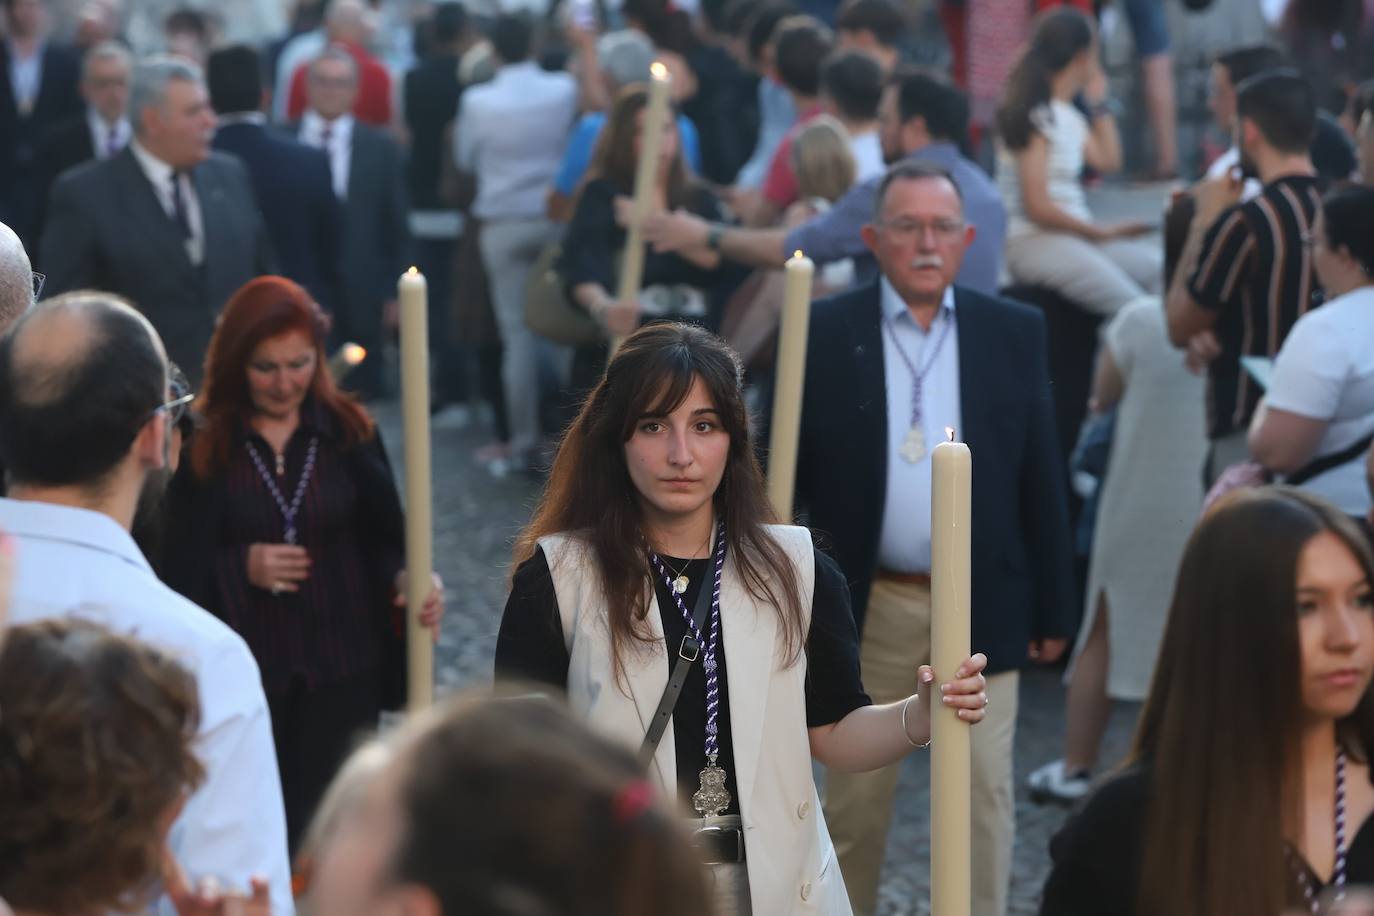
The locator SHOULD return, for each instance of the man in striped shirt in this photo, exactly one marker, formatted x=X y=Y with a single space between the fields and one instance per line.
x=1246 y=271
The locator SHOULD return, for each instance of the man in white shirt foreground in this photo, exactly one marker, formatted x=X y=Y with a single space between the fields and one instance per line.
x=84 y=418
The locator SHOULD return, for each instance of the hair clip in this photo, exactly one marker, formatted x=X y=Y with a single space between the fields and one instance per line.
x=632 y=801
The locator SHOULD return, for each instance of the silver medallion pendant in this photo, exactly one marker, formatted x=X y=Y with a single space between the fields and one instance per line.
x=914 y=446
x=680 y=585
x=712 y=798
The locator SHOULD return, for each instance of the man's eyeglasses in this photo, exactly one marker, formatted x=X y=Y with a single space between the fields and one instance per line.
x=176 y=408
x=905 y=230
x=38 y=281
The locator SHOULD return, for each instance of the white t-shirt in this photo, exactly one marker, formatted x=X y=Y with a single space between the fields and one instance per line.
x=868 y=156
x=1325 y=371
x=1066 y=130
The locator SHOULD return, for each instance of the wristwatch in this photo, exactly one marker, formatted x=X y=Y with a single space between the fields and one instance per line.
x=713 y=236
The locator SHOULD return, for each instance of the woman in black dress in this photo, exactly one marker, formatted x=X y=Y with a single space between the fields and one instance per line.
x=284 y=522
x=1248 y=791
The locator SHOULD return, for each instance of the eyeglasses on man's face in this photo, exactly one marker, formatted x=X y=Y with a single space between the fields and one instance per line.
x=175 y=408
x=38 y=281
x=906 y=230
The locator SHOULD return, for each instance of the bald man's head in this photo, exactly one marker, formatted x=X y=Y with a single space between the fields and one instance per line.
x=16 y=279
x=80 y=376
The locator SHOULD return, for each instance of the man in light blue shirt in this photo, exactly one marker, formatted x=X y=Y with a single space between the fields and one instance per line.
x=923 y=118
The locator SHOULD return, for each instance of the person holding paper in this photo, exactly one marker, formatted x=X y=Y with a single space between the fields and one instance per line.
x=685 y=570
x=890 y=368
x=1317 y=418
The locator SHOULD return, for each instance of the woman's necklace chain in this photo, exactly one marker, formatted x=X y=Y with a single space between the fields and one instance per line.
x=680 y=580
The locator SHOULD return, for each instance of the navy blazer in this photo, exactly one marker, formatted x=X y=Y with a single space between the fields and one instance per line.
x=1022 y=561
x=20 y=134
x=298 y=205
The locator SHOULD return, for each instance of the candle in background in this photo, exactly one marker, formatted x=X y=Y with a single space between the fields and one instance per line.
x=950 y=582
x=414 y=298
x=646 y=178
x=345 y=359
x=787 y=391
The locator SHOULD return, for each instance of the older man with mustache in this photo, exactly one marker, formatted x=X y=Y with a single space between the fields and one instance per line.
x=893 y=365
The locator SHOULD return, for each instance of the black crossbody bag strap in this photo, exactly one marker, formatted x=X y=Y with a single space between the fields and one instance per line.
x=1329 y=462
x=687 y=654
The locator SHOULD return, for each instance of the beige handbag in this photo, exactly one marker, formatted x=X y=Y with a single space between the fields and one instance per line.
x=548 y=312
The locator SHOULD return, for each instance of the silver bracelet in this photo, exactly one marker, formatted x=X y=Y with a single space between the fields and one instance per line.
x=906 y=734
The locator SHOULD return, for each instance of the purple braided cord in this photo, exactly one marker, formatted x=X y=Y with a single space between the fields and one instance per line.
x=708 y=645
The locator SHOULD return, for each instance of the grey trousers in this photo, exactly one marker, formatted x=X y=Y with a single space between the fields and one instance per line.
x=509 y=250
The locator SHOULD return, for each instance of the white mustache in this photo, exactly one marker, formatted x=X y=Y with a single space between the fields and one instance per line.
x=929 y=260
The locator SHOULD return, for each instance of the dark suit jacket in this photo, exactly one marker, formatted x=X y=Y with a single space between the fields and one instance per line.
x=297 y=202
x=20 y=134
x=1022 y=561
x=107 y=230
x=431 y=102
x=63 y=146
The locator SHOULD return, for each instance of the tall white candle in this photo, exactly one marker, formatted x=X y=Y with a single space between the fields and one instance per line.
x=788 y=384
x=646 y=179
x=414 y=297
x=950 y=756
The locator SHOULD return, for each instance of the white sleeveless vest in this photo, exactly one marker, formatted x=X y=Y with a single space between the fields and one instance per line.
x=792 y=867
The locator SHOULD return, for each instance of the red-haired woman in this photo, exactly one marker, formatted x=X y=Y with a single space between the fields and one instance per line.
x=284 y=521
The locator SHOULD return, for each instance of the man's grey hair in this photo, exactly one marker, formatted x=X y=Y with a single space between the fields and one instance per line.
x=106 y=51
x=148 y=88
x=912 y=170
x=16 y=279
x=340 y=54
x=625 y=57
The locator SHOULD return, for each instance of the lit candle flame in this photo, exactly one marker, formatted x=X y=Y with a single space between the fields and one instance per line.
x=353 y=354
x=949 y=431
x=797 y=253
x=658 y=71
x=414 y=272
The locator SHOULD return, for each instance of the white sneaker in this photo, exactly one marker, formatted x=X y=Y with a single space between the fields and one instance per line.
x=1051 y=783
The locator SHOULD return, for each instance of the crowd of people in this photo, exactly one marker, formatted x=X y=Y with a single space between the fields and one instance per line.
x=202 y=546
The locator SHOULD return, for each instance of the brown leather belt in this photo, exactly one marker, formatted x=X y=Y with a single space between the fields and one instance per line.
x=888 y=575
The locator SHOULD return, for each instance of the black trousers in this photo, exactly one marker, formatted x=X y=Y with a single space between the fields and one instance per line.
x=314 y=731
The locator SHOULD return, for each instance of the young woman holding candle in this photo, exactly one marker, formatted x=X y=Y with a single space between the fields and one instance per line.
x=675 y=285
x=1249 y=787
x=656 y=499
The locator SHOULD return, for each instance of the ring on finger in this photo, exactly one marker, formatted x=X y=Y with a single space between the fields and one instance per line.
x=985 y=699
x=276 y=588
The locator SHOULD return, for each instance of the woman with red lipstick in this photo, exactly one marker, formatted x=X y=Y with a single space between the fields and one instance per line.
x=284 y=522
x=654 y=560
x=1248 y=790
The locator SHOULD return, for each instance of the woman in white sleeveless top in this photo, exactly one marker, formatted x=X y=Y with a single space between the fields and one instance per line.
x=655 y=495
x=1044 y=141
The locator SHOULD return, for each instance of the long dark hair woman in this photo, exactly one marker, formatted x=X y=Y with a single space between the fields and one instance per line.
x=674 y=284
x=654 y=542
x=284 y=521
x=1044 y=142
x=1248 y=789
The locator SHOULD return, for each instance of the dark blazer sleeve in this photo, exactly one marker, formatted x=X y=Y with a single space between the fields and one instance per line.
x=396 y=233
x=326 y=227
x=1045 y=502
x=382 y=525
x=189 y=550
x=241 y=183
x=69 y=246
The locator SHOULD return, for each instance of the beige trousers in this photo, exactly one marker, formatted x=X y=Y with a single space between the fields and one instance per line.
x=858 y=806
x=1101 y=277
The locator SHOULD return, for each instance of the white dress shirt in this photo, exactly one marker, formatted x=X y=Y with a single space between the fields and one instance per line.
x=510 y=134
x=867 y=149
x=339 y=147
x=100 y=134
x=161 y=175
x=78 y=563
x=26 y=77
x=904 y=544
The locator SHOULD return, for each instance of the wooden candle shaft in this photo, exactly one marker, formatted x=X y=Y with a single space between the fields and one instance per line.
x=950 y=789
x=788 y=386
x=419 y=504
x=646 y=175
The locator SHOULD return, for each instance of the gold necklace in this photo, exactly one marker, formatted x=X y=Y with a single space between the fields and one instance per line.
x=680 y=580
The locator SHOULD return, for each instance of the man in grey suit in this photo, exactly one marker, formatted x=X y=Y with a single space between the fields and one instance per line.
x=166 y=223
x=369 y=179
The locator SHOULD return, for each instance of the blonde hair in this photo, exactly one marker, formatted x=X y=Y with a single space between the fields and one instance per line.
x=822 y=160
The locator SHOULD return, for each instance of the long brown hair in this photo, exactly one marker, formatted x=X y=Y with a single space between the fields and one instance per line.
x=1057 y=37
x=590 y=491
x=1220 y=731
x=617 y=152
x=262 y=309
